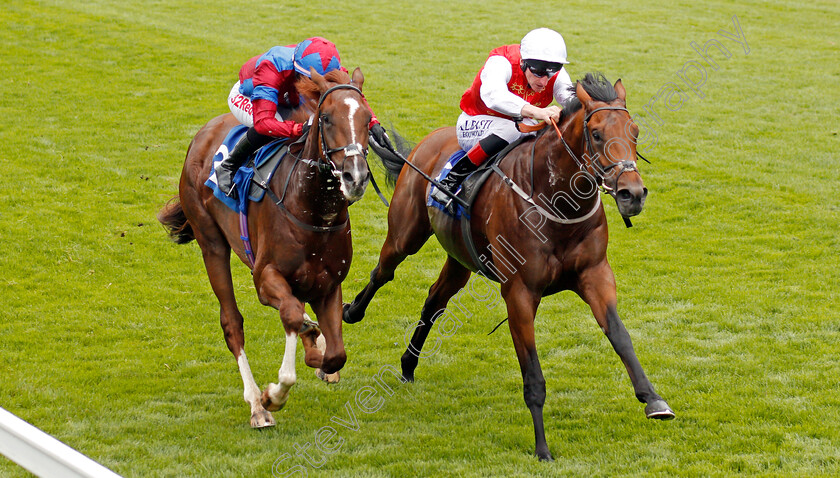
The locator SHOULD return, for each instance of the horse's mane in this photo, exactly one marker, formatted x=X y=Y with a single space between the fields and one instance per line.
x=308 y=89
x=598 y=87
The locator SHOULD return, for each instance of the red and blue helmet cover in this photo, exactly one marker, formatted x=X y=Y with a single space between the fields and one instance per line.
x=318 y=53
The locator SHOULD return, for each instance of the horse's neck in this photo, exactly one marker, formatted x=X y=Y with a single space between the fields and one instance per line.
x=316 y=193
x=555 y=174
x=573 y=135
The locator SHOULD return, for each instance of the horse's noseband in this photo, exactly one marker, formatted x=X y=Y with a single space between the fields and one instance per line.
x=353 y=149
x=623 y=167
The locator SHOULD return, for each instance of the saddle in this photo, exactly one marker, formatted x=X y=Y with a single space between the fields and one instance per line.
x=252 y=179
x=468 y=192
x=471 y=185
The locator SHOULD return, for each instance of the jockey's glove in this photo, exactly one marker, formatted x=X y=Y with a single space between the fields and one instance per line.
x=377 y=132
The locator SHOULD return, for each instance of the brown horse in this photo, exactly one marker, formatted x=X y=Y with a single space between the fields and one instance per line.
x=536 y=245
x=301 y=244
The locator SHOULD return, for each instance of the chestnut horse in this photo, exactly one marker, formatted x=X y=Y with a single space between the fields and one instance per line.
x=536 y=245
x=301 y=244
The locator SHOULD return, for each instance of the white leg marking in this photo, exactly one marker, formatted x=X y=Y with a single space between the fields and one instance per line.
x=252 y=391
x=287 y=378
x=321 y=343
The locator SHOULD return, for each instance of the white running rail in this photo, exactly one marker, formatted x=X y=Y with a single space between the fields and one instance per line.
x=42 y=454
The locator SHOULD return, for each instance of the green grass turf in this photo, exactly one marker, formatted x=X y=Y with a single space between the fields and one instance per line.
x=728 y=283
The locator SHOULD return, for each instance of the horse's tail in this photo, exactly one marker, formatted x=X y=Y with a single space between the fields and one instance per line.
x=393 y=162
x=173 y=219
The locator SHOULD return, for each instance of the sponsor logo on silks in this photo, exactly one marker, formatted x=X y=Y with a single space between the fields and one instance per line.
x=472 y=125
x=243 y=103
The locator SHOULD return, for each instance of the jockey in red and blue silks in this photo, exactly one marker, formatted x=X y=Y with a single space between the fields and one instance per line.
x=265 y=95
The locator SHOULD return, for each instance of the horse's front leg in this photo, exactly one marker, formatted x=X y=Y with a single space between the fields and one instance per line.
x=453 y=277
x=408 y=230
x=596 y=286
x=315 y=345
x=329 y=313
x=274 y=291
x=522 y=308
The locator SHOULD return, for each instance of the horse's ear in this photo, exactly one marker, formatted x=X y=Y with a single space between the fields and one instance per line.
x=318 y=79
x=358 y=78
x=582 y=95
x=619 y=90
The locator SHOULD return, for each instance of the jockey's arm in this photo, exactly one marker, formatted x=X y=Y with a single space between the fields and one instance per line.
x=494 y=90
x=541 y=114
x=377 y=132
x=373 y=120
x=265 y=99
x=267 y=124
x=563 y=87
x=562 y=93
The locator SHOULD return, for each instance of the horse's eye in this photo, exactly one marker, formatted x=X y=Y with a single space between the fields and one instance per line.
x=325 y=119
x=596 y=135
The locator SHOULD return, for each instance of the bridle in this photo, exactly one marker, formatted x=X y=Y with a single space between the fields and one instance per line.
x=322 y=163
x=601 y=170
x=325 y=163
x=623 y=166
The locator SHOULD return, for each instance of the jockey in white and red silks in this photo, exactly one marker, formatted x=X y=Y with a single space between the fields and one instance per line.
x=516 y=82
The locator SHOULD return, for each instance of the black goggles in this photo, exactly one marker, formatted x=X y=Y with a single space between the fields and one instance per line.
x=541 y=69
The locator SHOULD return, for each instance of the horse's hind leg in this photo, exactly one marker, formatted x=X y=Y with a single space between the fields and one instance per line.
x=596 y=286
x=452 y=278
x=522 y=306
x=216 y=253
x=383 y=273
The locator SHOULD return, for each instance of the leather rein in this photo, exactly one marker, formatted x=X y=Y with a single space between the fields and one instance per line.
x=601 y=170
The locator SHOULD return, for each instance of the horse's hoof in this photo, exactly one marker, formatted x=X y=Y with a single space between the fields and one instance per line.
x=329 y=378
x=347 y=317
x=407 y=374
x=544 y=455
x=659 y=410
x=270 y=404
x=262 y=419
x=408 y=363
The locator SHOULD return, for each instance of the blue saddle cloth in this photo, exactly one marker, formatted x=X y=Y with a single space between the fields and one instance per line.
x=452 y=161
x=242 y=179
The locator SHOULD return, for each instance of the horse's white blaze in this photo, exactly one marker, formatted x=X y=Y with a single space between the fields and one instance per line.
x=252 y=391
x=354 y=106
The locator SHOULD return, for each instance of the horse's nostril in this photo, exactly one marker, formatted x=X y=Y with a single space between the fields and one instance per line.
x=624 y=195
x=347 y=177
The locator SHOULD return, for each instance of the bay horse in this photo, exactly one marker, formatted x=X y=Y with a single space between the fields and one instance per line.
x=301 y=244
x=534 y=249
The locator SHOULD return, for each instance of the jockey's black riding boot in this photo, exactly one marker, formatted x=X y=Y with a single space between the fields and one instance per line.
x=226 y=170
x=456 y=176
